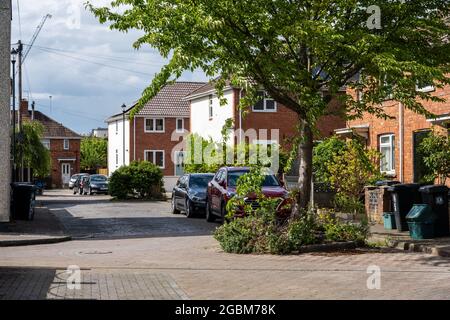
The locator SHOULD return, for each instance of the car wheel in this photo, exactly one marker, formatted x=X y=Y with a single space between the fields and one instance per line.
x=190 y=212
x=209 y=215
x=74 y=191
x=223 y=212
x=90 y=192
x=174 y=207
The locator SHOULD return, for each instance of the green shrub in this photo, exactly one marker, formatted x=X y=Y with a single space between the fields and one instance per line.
x=140 y=180
x=239 y=235
x=340 y=232
x=302 y=231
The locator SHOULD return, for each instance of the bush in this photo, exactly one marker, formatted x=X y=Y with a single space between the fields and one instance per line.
x=261 y=232
x=139 y=180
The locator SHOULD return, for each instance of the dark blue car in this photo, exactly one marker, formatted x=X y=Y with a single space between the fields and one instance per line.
x=189 y=194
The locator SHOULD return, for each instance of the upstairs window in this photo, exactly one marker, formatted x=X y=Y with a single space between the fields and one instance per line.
x=210 y=107
x=154 y=125
x=66 y=144
x=425 y=87
x=46 y=143
x=387 y=150
x=180 y=125
x=265 y=103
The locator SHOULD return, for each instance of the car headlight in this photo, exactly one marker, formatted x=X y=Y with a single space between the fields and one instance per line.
x=94 y=186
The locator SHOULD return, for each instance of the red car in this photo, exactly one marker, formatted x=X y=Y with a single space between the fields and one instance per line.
x=223 y=187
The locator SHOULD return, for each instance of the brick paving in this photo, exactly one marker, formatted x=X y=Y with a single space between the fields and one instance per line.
x=45 y=283
x=187 y=262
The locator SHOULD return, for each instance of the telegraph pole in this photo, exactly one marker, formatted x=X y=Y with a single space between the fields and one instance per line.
x=20 y=59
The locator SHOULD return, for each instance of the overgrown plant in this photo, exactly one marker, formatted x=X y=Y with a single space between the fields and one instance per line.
x=93 y=153
x=435 y=150
x=30 y=149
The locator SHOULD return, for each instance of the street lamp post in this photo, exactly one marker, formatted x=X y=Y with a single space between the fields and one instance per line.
x=14 y=53
x=124 y=110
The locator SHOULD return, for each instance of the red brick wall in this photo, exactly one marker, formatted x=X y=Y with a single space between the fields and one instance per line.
x=155 y=141
x=286 y=121
x=57 y=152
x=413 y=122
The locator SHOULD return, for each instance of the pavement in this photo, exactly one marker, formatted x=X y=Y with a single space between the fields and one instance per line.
x=139 y=250
x=402 y=241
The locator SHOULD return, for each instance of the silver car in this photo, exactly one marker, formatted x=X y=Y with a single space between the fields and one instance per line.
x=74 y=178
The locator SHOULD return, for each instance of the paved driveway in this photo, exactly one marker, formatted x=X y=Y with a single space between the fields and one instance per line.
x=100 y=218
x=140 y=250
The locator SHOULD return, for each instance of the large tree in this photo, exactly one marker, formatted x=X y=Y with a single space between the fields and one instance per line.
x=93 y=153
x=295 y=50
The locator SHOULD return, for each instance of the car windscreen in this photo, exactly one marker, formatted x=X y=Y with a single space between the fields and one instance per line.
x=200 y=182
x=98 y=179
x=269 y=181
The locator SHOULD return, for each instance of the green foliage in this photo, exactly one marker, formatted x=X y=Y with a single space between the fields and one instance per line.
x=435 y=149
x=29 y=147
x=261 y=231
x=324 y=154
x=205 y=155
x=139 y=180
x=351 y=169
x=282 y=45
x=93 y=153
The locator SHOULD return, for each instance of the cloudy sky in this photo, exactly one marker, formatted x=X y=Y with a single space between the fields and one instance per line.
x=88 y=69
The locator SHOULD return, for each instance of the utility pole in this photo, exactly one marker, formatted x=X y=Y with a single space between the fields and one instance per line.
x=20 y=60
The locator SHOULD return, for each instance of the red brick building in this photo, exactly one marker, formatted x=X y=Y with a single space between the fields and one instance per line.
x=63 y=143
x=398 y=139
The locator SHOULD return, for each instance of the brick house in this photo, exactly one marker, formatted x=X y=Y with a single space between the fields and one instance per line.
x=153 y=133
x=272 y=121
x=398 y=139
x=63 y=143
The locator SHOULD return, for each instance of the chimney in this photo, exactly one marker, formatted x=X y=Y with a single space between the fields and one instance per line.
x=23 y=109
x=32 y=111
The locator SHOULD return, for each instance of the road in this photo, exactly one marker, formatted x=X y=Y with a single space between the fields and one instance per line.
x=139 y=250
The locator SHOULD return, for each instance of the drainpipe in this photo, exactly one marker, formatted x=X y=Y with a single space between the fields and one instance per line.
x=240 y=117
x=134 y=139
x=401 y=138
x=32 y=111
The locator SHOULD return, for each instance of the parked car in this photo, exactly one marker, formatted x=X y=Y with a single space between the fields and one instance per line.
x=80 y=184
x=74 y=178
x=223 y=187
x=96 y=183
x=189 y=194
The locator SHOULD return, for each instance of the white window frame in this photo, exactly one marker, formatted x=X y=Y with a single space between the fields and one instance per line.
x=66 y=147
x=211 y=107
x=46 y=143
x=154 y=157
x=182 y=125
x=391 y=146
x=265 y=99
x=117 y=126
x=154 y=125
x=117 y=157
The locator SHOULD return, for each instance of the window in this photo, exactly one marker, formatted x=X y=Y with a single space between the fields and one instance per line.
x=155 y=156
x=211 y=110
x=46 y=143
x=425 y=87
x=117 y=127
x=180 y=125
x=66 y=144
x=117 y=157
x=265 y=103
x=387 y=150
x=154 y=125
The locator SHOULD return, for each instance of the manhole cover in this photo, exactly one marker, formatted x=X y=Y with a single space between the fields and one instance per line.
x=95 y=252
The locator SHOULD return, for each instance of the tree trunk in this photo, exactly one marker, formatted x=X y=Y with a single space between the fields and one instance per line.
x=305 y=156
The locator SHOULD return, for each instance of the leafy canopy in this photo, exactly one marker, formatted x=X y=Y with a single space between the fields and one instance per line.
x=93 y=153
x=295 y=49
x=435 y=149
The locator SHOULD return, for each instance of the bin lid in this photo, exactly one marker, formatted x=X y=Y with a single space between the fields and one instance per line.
x=386 y=183
x=434 y=189
x=404 y=187
x=421 y=213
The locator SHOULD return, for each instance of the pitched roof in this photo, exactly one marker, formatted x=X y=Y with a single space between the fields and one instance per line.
x=205 y=89
x=52 y=128
x=169 y=101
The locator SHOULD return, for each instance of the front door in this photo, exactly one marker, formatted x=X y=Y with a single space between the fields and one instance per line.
x=65 y=173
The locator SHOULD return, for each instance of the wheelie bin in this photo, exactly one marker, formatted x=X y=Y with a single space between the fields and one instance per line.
x=23 y=201
x=436 y=196
x=404 y=196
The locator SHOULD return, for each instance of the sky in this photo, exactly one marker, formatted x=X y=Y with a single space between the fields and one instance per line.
x=88 y=69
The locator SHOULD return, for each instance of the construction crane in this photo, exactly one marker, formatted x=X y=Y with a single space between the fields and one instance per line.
x=35 y=35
